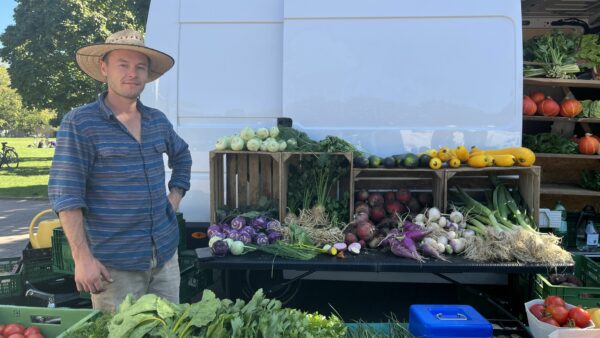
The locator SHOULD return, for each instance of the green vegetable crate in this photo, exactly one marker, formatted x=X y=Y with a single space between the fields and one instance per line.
x=53 y=322
x=587 y=296
x=11 y=278
x=37 y=265
x=193 y=279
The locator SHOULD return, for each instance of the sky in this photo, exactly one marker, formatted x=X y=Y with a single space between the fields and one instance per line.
x=6 y=14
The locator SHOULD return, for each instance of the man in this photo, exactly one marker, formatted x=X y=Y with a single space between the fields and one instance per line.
x=107 y=181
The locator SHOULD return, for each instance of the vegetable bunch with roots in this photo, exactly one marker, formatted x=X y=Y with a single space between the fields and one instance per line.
x=504 y=233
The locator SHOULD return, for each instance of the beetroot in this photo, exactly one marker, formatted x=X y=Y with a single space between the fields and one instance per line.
x=362 y=207
x=361 y=195
x=425 y=199
x=394 y=207
x=403 y=195
x=362 y=243
x=377 y=214
x=350 y=238
x=365 y=230
x=376 y=199
x=413 y=206
x=389 y=196
x=361 y=217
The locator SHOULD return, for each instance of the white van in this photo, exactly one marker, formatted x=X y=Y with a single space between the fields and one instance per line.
x=389 y=76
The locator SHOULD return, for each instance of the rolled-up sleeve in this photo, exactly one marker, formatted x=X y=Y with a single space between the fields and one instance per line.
x=180 y=161
x=70 y=166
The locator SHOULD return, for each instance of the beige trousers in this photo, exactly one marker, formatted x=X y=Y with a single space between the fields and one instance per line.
x=163 y=282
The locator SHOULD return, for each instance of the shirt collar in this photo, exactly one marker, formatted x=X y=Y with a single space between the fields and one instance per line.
x=108 y=113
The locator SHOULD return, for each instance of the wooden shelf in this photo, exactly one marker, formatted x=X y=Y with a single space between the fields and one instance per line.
x=573 y=156
x=566 y=189
x=561 y=82
x=560 y=118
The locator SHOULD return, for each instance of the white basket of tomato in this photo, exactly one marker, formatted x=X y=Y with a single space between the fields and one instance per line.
x=552 y=317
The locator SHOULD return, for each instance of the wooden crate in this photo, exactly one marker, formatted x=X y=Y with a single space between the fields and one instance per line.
x=294 y=158
x=240 y=178
x=384 y=179
x=527 y=179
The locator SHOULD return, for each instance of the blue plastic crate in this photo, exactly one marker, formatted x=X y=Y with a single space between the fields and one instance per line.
x=448 y=321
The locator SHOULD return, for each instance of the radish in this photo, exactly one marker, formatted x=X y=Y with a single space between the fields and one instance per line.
x=433 y=214
x=376 y=199
x=399 y=250
x=354 y=248
x=416 y=235
x=403 y=195
x=430 y=251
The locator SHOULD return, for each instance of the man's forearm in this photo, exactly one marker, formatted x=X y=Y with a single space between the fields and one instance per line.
x=72 y=224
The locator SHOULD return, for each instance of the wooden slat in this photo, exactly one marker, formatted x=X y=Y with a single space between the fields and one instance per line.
x=253 y=179
x=566 y=189
x=231 y=179
x=562 y=82
x=277 y=189
x=242 y=179
x=568 y=156
x=266 y=176
x=213 y=189
x=560 y=118
x=220 y=184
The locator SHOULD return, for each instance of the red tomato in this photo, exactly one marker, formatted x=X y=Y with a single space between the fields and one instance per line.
x=579 y=316
x=554 y=300
x=35 y=335
x=16 y=335
x=537 y=310
x=13 y=328
x=2 y=328
x=31 y=330
x=550 y=321
x=558 y=313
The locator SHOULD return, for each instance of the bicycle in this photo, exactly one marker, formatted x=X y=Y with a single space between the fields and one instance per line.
x=9 y=157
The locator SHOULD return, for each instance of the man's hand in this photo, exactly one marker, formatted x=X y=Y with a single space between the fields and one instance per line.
x=175 y=196
x=90 y=275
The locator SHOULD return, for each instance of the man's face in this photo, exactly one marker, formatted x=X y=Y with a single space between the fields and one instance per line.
x=126 y=72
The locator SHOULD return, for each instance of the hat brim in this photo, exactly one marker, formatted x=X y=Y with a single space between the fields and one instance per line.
x=88 y=58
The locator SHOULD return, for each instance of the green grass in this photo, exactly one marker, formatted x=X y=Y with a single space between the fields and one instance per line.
x=30 y=179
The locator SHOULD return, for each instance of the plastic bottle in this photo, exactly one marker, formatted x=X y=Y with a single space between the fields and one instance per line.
x=562 y=230
x=591 y=236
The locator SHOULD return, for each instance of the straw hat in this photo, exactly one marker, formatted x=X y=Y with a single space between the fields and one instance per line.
x=88 y=57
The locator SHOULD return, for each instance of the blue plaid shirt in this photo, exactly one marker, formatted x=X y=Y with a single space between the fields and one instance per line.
x=119 y=183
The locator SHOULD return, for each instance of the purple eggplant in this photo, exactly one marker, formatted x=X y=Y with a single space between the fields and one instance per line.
x=220 y=248
x=261 y=239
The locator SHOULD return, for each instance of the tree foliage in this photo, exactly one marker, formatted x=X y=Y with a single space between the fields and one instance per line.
x=10 y=102
x=40 y=47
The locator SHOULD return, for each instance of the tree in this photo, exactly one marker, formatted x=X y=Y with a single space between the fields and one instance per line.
x=41 y=45
x=10 y=102
x=35 y=122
